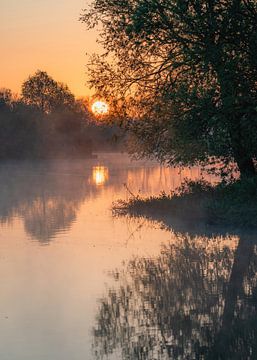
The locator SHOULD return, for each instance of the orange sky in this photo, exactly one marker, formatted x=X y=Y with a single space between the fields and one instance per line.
x=45 y=35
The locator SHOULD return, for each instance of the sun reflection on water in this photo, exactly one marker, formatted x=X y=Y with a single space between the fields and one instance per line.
x=100 y=175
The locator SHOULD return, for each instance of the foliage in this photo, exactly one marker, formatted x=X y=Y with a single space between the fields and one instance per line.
x=48 y=122
x=19 y=131
x=233 y=204
x=190 y=68
x=43 y=92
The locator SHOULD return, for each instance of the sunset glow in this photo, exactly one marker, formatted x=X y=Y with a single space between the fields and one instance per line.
x=100 y=108
x=55 y=43
x=100 y=175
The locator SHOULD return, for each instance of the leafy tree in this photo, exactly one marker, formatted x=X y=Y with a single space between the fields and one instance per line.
x=19 y=131
x=190 y=69
x=43 y=92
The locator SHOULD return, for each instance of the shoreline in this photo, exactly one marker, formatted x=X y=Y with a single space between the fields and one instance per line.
x=232 y=206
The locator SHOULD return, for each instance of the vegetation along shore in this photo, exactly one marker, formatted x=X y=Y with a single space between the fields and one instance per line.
x=233 y=204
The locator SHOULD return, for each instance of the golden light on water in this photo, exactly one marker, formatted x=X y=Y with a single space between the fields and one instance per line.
x=100 y=175
x=100 y=108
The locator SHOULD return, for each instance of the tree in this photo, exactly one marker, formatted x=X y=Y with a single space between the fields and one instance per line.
x=190 y=68
x=43 y=92
x=19 y=130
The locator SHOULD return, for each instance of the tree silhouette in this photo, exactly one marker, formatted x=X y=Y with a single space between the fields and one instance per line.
x=189 y=69
x=43 y=92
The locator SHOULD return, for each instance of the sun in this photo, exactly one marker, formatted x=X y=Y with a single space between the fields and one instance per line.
x=100 y=108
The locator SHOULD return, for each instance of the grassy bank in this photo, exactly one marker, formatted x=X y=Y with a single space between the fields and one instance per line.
x=233 y=204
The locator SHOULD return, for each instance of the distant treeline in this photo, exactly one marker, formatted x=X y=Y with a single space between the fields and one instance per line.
x=46 y=121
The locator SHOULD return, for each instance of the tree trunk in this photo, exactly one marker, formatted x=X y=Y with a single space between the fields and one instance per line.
x=234 y=125
x=246 y=166
x=241 y=154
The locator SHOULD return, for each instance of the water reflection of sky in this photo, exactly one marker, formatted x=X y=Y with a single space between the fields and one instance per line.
x=179 y=294
x=100 y=175
x=195 y=300
x=47 y=196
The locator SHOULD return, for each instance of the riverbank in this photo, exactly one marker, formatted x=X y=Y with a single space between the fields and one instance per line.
x=233 y=204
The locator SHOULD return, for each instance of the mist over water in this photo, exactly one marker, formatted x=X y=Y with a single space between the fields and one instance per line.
x=77 y=283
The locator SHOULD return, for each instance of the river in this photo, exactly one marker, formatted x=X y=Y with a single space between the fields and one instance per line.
x=78 y=283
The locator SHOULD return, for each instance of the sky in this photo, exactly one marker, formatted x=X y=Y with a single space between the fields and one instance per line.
x=45 y=35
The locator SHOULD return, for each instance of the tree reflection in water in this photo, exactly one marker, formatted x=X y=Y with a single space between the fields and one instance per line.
x=47 y=195
x=196 y=300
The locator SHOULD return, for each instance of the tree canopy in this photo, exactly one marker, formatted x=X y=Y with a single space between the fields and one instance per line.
x=43 y=92
x=190 y=70
x=48 y=122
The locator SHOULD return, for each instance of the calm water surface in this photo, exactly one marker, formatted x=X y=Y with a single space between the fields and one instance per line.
x=77 y=283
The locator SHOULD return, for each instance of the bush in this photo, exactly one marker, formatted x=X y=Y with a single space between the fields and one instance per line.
x=224 y=204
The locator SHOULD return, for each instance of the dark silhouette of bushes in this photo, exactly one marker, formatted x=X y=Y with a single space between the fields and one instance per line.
x=48 y=122
x=25 y=132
